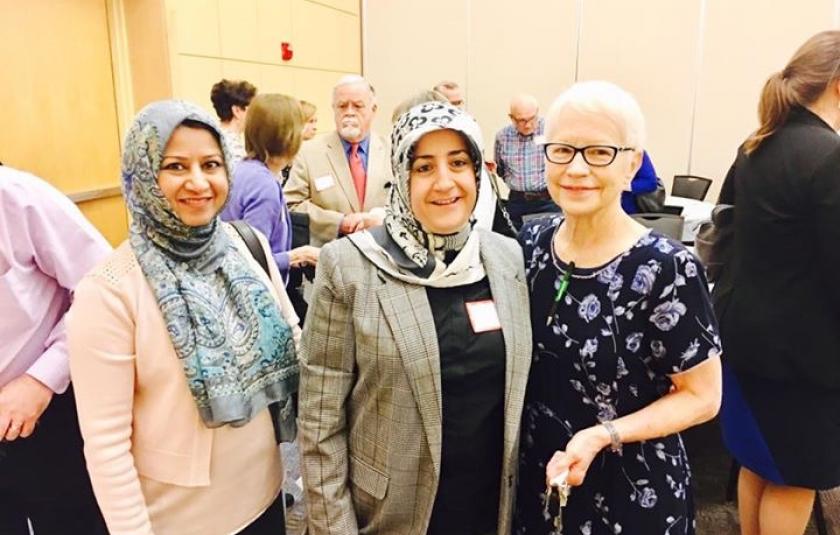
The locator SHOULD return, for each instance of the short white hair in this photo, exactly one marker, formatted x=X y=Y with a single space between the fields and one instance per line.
x=603 y=98
x=355 y=79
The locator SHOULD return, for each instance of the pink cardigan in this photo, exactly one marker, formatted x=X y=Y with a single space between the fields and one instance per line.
x=154 y=466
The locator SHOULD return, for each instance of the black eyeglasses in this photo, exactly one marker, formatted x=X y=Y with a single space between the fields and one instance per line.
x=594 y=155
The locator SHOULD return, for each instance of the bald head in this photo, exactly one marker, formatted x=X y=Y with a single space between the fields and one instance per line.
x=524 y=112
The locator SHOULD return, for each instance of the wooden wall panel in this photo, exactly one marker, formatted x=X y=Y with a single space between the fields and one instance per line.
x=656 y=59
x=275 y=79
x=242 y=70
x=350 y=6
x=238 y=36
x=62 y=124
x=194 y=27
x=109 y=216
x=148 y=49
x=324 y=38
x=274 y=26
x=194 y=76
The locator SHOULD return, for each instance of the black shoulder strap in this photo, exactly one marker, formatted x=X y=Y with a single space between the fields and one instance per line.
x=253 y=243
x=255 y=247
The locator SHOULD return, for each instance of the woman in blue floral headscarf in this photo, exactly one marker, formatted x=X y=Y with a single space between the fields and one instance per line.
x=626 y=351
x=178 y=343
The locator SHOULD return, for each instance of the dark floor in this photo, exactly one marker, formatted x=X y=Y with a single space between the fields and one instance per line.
x=710 y=467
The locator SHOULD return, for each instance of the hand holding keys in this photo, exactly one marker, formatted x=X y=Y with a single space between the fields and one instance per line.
x=562 y=489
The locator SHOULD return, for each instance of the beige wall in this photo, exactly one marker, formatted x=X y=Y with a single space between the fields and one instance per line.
x=241 y=39
x=734 y=70
x=696 y=66
x=89 y=65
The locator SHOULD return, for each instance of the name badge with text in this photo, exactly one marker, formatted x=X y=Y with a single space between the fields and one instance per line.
x=324 y=182
x=483 y=316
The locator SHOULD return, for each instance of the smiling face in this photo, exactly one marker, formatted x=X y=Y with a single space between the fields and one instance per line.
x=580 y=189
x=442 y=182
x=192 y=175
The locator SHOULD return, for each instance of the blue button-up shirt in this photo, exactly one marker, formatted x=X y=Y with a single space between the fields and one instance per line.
x=364 y=145
x=520 y=161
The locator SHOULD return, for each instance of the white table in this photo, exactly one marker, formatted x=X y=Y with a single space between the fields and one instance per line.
x=694 y=212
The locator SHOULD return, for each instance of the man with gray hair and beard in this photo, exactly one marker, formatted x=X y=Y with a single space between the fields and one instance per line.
x=341 y=179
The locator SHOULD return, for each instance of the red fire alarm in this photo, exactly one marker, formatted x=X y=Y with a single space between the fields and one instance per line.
x=287 y=52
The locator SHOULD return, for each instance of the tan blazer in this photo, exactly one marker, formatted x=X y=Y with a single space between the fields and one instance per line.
x=370 y=402
x=320 y=184
x=155 y=467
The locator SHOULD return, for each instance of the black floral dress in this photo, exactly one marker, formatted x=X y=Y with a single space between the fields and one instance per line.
x=608 y=350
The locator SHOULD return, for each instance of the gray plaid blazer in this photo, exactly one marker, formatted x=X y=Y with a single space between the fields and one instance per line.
x=370 y=395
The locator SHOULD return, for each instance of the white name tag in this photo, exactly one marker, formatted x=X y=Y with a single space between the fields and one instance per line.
x=483 y=316
x=324 y=182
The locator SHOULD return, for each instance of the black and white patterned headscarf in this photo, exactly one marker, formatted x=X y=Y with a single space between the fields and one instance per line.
x=403 y=227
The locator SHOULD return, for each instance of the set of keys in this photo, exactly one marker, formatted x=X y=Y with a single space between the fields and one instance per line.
x=560 y=488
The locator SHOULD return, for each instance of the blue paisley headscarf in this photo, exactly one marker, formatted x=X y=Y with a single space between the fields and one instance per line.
x=236 y=349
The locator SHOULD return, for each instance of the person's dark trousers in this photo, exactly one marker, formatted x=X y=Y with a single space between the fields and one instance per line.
x=44 y=478
x=294 y=289
x=523 y=203
x=271 y=522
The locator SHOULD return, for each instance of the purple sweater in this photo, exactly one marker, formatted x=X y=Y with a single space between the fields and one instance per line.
x=257 y=197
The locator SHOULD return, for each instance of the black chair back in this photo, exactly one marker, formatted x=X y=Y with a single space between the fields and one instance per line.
x=690 y=186
x=670 y=225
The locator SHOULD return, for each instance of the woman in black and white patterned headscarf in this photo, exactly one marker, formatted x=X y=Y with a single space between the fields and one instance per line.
x=416 y=349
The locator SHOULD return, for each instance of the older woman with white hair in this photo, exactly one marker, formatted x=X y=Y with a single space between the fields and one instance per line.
x=626 y=349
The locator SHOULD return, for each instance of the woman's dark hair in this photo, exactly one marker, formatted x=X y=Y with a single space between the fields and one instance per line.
x=273 y=127
x=192 y=123
x=811 y=69
x=229 y=93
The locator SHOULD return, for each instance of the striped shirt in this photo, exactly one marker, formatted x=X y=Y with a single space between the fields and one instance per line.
x=520 y=161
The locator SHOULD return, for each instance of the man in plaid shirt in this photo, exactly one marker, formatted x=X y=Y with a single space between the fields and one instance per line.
x=520 y=161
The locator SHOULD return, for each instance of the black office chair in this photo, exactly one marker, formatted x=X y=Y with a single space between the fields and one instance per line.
x=670 y=225
x=690 y=186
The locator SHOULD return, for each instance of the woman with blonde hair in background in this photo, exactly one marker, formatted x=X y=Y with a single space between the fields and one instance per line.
x=780 y=325
x=178 y=343
x=310 y=120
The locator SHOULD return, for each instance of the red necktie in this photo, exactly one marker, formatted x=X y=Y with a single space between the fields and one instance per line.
x=357 y=171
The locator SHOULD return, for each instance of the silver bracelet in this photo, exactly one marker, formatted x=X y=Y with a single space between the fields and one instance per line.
x=615 y=440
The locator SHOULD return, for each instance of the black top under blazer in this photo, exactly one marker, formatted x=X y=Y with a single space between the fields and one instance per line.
x=783 y=320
